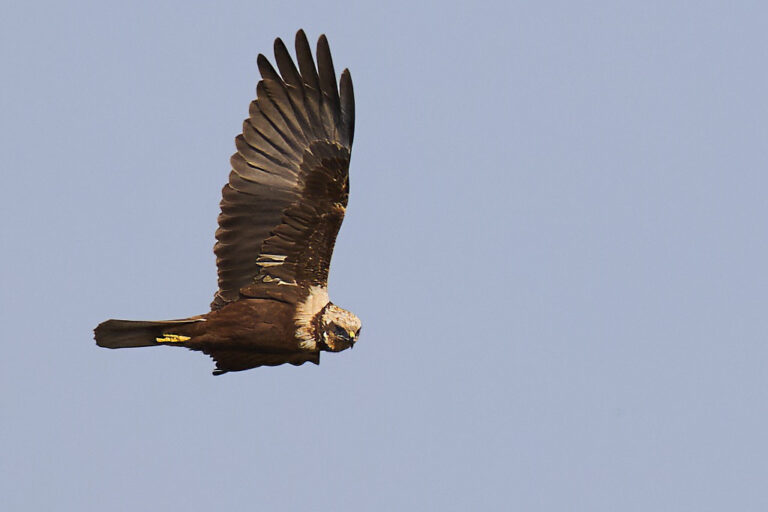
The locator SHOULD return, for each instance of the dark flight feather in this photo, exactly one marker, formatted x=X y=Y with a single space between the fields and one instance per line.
x=328 y=80
x=347 y=99
x=320 y=126
x=286 y=66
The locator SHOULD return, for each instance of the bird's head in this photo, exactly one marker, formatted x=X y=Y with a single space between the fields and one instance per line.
x=339 y=328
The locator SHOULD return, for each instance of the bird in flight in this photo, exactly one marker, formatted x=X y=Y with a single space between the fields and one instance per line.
x=280 y=213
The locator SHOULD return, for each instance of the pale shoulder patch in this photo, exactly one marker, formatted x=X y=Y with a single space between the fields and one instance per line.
x=306 y=311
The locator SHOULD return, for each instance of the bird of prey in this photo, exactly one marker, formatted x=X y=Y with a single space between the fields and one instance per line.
x=280 y=213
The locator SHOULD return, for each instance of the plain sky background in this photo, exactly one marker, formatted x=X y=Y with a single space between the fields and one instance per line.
x=557 y=242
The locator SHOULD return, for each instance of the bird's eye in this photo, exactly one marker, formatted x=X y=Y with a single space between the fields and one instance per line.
x=340 y=332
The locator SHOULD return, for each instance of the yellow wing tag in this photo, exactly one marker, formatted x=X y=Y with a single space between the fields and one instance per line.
x=172 y=338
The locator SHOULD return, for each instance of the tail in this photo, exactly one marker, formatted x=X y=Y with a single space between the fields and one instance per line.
x=138 y=333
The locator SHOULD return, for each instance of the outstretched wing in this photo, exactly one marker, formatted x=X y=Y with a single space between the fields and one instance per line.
x=287 y=192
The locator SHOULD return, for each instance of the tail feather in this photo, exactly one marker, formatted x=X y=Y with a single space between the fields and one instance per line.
x=135 y=333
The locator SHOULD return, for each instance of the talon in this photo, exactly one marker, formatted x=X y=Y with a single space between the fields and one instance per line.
x=172 y=338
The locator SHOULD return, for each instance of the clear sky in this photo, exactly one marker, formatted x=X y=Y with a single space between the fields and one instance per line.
x=557 y=242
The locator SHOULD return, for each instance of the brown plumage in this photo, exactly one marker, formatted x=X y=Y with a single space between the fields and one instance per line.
x=280 y=213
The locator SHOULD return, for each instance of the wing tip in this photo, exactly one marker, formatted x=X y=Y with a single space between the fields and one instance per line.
x=301 y=36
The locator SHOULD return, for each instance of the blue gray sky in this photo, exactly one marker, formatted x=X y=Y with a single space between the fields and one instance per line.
x=556 y=241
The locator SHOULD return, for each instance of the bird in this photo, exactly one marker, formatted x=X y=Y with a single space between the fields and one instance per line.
x=281 y=211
